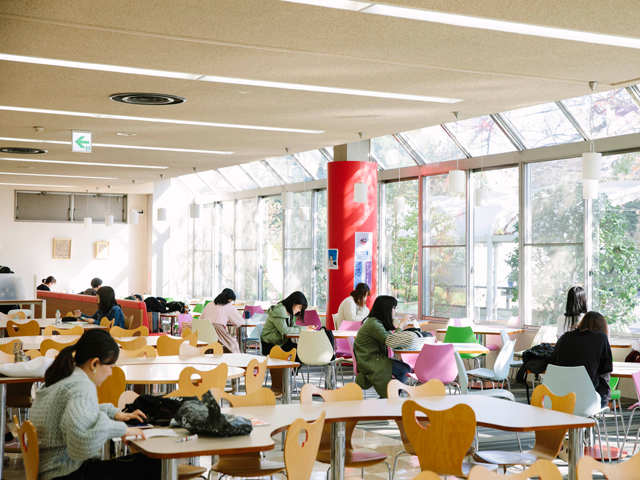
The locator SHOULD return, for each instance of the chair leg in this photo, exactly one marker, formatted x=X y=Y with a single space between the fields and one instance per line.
x=626 y=434
x=395 y=463
x=388 y=470
x=519 y=444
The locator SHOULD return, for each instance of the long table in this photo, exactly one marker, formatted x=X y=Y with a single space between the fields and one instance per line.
x=490 y=412
x=45 y=322
x=32 y=303
x=166 y=373
x=34 y=342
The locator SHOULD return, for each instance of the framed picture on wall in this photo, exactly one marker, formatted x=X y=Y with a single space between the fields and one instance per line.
x=102 y=250
x=62 y=248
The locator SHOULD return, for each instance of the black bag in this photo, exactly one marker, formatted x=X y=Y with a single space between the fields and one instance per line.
x=159 y=410
x=175 y=307
x=156 y=304
x=205 y=417
x=634 y=356
x=331 y=339
x=534 y=360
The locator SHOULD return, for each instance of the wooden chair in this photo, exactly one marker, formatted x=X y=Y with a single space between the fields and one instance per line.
x=186 y=332
x=51 y=330
x=29 y=329
x=112 y=387
x=254 y=374
x=17 y=316
x=49 y=344
x=548 y=442
x=298 y=458
x=10 y=346
x=7 y=358
x=146 y=351
x=276 y=374
x=135 y=344
x=128 y=322
x=128 y=396
x=171 y=345
x=433 y=388
x=353 y=459
x=426 y=475
x=542 y=469
x=29 y=445
x=618 y=471
x=442 y=446
x=105 y=322
x=33 y=353
x=122 y=332
x=189 y=351
x=216 y=378
x=259 y=398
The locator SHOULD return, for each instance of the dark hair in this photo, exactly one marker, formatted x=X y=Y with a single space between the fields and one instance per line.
x=593 y=321
x=107 y=299
x=5 y=270
x=382 y=310
x=96 y=282
x=576 y=304
x=49 y=280
x=224 y=297
x=360 y=293
x=296 y=298
x=92 y=344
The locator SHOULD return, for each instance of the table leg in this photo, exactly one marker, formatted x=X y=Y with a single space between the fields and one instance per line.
x=287 y=374
x=337 y=450
x=169 y=469
x=329 y=376
x=483 y=341
x=3 y=423
x=241 y=334
x=576 y=449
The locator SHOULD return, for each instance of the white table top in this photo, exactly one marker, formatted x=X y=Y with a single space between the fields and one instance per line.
x=166 y=373
x=470 y=348
x=240 y=360
x=45 y=322
x=625 y=369
x=488 y=330
x=336 y=334
x=35 y=341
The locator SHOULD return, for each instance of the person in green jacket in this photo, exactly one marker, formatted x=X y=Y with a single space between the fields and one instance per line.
x=281 y=322
x=375 y=368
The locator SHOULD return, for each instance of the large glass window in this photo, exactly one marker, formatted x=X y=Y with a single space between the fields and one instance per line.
x=444 y=249
x=260 y=174
x=224 y=234
x=314 y=162
x=389 y=153
x=320 y=238
x=203 y=253
x=401 y=268
x=289 y=169
x=271 y=244
x=543 y=125
x=246 y=249
x=495 y=243
x=554 y=259
x=480 y=136
x=298 y=247
x=434 y=144
x=238 y=178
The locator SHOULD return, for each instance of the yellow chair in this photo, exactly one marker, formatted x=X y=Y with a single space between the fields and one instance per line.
x=254 y=374
x=426 y=475
x=146 y=351
x=7 y=358
x=276 y=373
x=112 y=387
x=18 y=316
x=105 y=322
x=29 y=329
x=542 y=469
x=353 y=458
x=135 y=344
x=33 y=353
x=29 y=445
x=49 y=344
x=51 y=330
x=216 y=378
x=9 y=347
x=442 y=446
x=171 y=345
x=298 y=458
x=618 y=471
x=187 y=350
x=186 y=332
x=136 y=332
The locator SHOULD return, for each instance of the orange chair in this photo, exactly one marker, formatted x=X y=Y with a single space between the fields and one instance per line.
x=29 y=329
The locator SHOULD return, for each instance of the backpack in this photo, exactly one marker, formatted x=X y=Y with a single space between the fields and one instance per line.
x=156 y=304
x=534 y=360
x=159 y=410
x=175 y=307
x=205 y=417
x=634 y=356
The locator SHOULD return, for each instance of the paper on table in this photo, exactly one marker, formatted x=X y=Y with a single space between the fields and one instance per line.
x=155 y=432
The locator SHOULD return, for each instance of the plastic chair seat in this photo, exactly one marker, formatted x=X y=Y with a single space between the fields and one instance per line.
x=506 y=458
x=495 y=392
x=482 y=373
x=354 y=458
x=634 y=406
x=517 y=364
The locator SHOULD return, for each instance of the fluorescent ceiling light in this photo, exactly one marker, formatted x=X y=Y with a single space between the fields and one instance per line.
x=233 y=80
x=154 y=120
x=477 y=22
x=38 y=160
x=59 y=176
x=109 y=145
x=34 y=185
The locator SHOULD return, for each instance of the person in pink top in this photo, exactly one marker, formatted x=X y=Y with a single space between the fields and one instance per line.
x=221 y=312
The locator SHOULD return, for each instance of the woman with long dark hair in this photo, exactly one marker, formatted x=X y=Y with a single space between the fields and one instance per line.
x=574 y=311
x=588 y=345
x=371 y=347
x=72 y=427
x=47 y=284
x=354 y=307
x=281 y=321
x=107 y=307
x=220 y=313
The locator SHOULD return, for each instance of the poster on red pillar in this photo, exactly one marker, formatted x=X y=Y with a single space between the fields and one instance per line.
x=362 y=259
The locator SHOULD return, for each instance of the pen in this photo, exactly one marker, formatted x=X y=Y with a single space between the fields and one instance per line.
x=187 y=439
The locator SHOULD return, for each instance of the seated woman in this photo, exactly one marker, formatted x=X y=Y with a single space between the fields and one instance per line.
x=576 y=308
x=72 y=427
x=354 y=307
x=374 y=338
x=220 y=313
x=107 y=307
x=281 y=322
x=47 y=284
x=588 y=345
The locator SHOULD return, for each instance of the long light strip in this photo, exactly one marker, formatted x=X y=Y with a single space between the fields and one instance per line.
x=109 y=145
x=155 y=120
x=93 y=164
x=35 y=185
x=225 y=80
x=476 y=22
x=58 y=176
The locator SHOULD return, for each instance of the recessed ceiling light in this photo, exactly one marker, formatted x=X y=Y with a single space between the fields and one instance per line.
x=34 y=185
x=126 y=134
x=59 y=176
x=34 y=160
x=155 y=120
x=147 y=98
x=225 y=80
x=108 y=145
x=22 y=151
x=476 y=22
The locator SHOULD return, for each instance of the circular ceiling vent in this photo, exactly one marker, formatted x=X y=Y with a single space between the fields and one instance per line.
x=147 y=98
x=22 y=151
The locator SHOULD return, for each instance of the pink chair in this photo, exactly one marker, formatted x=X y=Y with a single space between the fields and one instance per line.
x=311 y=317
x=634 y=407
x=342 y=344
x=184 y=317
x=436 y=361
x=253 y=309
x=410 y=359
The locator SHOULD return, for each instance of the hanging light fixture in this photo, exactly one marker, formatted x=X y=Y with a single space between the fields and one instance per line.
x=194 y=210
x=162 y=212
x=88 y=220
x=287 y=197
x=399 y=202
x=481 y=194
x=304 y=212
x=133 y=219
x=591 y=160
x=590 y=189
x=108 y=220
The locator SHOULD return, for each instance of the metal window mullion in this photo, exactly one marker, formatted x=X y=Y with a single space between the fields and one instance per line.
x=382 y=240
x=510 y=131
x=273 y=172
x=233 y=188
x=524 y=234
x=375 y=159
x=250 y=176
x=585 y=136
x=408 y=147
x=314 y=247
x=568 y=244
x=462 y=148
x=470 y=247
x=325 y=153
x=634 y=91
x=295 y=158
x=259 y=247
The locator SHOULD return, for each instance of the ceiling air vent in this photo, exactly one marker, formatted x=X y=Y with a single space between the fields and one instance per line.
x=22 y=151
x=147 y=98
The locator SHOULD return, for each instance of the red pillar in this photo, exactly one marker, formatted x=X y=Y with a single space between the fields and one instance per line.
x=345 y=218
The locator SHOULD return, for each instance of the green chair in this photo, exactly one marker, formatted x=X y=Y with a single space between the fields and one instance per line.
x=462 y=335
x=615 y=396
x=168 y=299
x=197 y=310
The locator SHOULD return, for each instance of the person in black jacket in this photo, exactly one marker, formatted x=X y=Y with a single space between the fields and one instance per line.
x=588 y=345
x=46 y=284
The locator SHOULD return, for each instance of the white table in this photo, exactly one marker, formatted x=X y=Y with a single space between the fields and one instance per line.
x=34 y=342
x=166 y=373
x=45 y=322
x=33 y=303
x=469 y=348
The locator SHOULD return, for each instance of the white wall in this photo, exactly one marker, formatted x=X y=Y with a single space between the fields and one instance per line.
x=27 y=247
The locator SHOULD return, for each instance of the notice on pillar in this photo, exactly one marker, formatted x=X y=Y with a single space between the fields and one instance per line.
x=332 y=263
x=363 y=258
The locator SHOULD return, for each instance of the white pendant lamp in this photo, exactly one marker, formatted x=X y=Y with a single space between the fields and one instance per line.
x=590 y=189
x=481 y=194
x=399 y=205
x=162 y=214
x=591 y=166
x=287 y=200
x=87 y=220
x=194 y=210
x=108 y=220
x=360 y=193
x=457 y=181
x=305 y=214
x=591 y=161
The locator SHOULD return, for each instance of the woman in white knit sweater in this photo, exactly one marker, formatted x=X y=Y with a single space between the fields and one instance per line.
x=72 y=427
x=354 y=307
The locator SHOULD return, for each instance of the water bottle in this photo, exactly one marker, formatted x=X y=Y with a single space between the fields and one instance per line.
x=57 y=317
